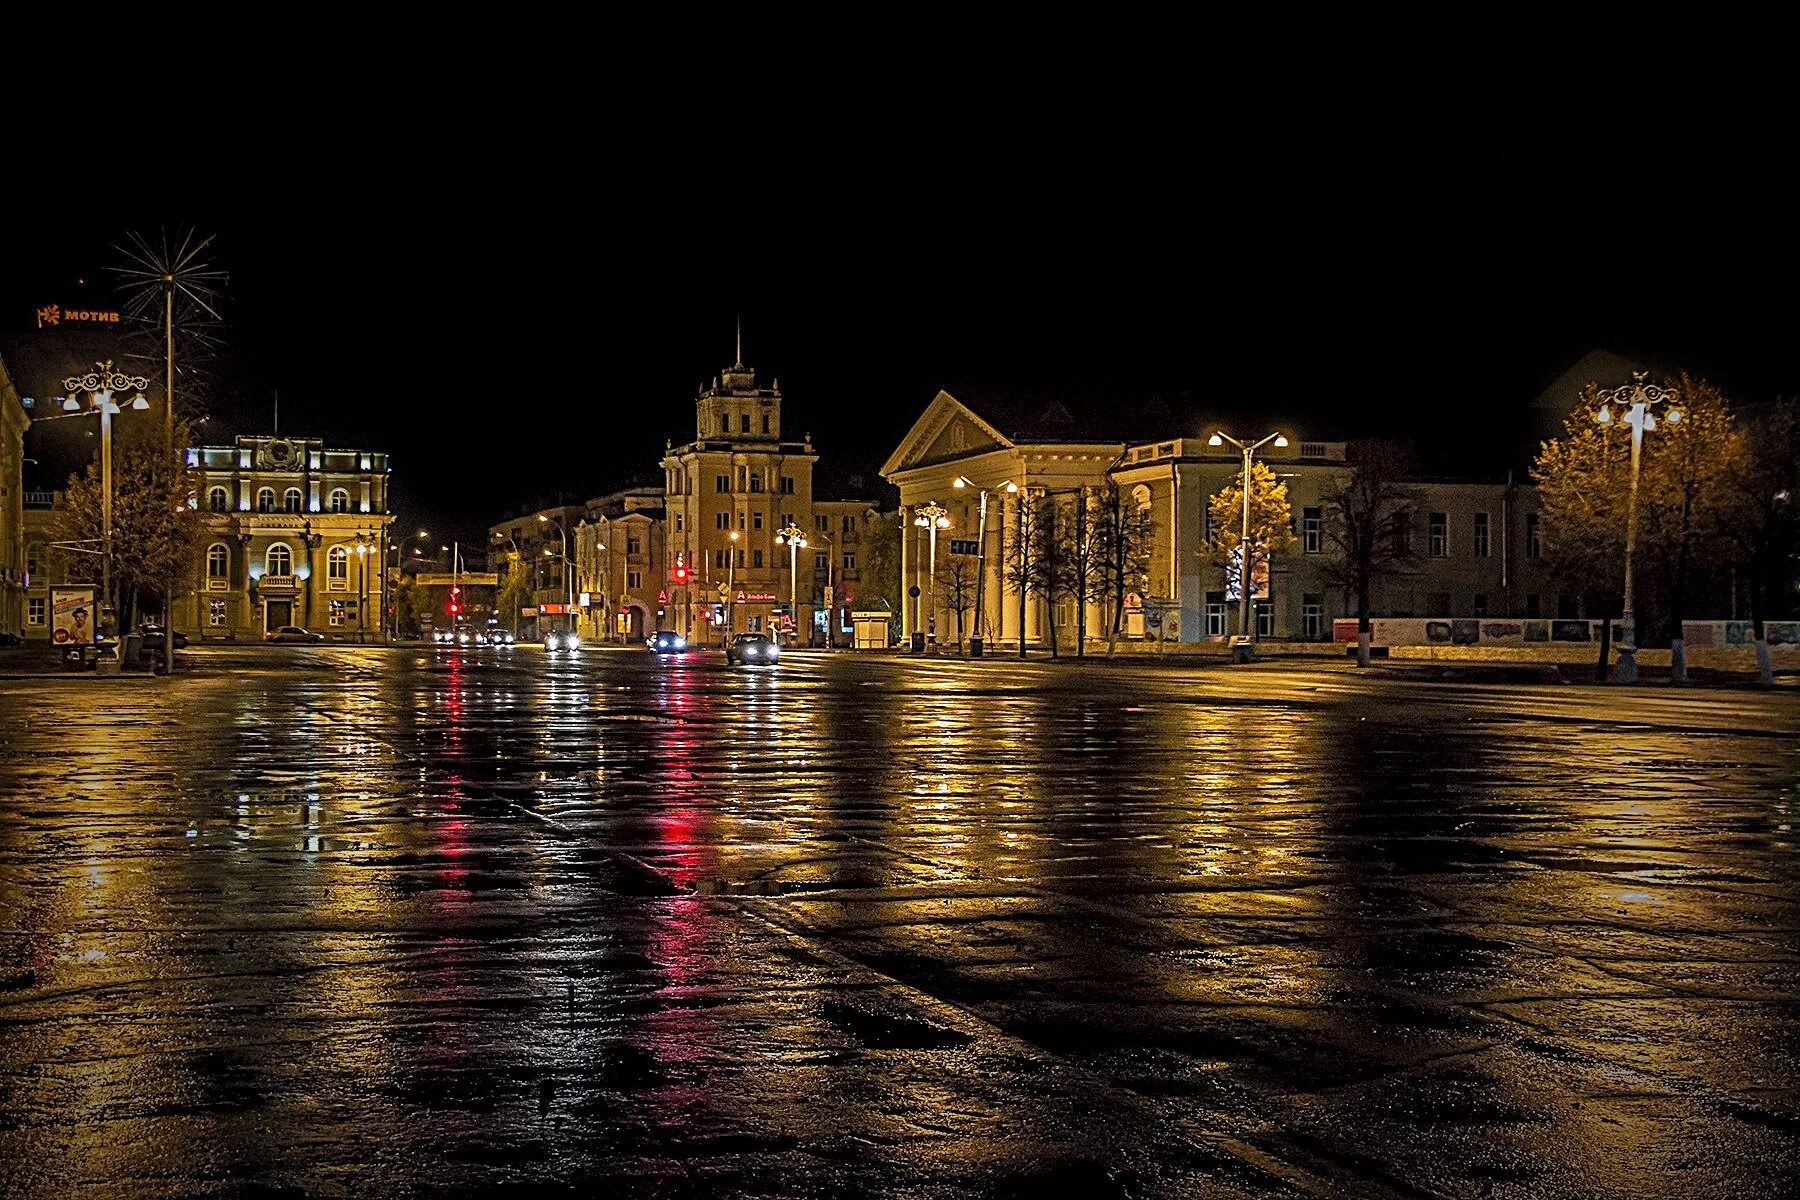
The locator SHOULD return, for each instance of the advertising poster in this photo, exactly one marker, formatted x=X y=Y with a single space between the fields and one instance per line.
x=73 y=617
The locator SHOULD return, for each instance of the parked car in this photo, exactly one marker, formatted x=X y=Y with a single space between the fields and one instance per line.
x=668 y=642
x=748 y=649
x=562 y=639
x=292 y=634
x=154 y=633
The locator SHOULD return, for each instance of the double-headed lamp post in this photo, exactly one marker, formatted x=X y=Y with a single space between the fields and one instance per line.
x=794 y=538
x=1638 y=400
x=99 y=385
x=568 y=576
x=1248 y=449
x=362 y=587
x=963 y=481
x=932 y=517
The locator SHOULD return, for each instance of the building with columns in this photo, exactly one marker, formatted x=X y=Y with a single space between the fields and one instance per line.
x=1475 y=549
x=295 y=533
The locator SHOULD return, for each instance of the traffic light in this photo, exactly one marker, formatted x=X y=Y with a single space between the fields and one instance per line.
x=455 y=605
x=681 y=572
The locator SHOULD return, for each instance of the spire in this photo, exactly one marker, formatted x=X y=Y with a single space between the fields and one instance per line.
x=739 y=361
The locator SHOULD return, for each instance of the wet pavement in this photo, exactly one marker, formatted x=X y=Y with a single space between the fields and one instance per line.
x=361 y=922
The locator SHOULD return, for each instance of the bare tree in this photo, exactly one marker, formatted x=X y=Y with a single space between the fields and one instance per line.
x=1124 y=532
x=958 y=580
x=1367 y=515
x=1029 y=556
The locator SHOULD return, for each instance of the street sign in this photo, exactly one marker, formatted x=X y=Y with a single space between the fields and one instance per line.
x=662 y=597
x=967 y=546
x=829 y=596
x=724 y=588
x=913 y=591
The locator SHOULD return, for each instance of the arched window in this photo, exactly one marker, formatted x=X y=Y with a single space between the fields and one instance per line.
x=280 y=560
x=340 y=500
x=265 y=500
x=337 y=567
x=291 y=501
x=1140 y=497
x=218 y=499
x=218 y=561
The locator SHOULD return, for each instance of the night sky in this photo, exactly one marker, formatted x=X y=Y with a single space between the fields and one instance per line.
x=508 y=342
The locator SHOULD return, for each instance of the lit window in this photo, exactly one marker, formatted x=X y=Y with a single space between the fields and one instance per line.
x=34 y=610
x=215 y=613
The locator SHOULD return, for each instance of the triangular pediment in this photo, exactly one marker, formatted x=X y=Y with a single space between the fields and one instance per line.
x=948 y=429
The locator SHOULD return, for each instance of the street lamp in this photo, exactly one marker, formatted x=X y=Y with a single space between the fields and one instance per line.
x=932 y=517
x=793 y=537
x=362 y=587
x=1638 y=399
x=568 y=578
x=830 y=590
x=963 y=481
x=1249 y=449
x=99 y=385
x=731 y=554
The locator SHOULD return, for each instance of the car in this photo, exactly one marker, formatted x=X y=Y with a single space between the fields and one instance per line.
x=292 y=634
x=154 y=633
x=668 y=642
x=562 y=639
x=499 y=637
x=747 y=649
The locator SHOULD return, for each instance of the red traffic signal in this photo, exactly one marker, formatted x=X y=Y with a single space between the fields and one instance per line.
x=681 y=573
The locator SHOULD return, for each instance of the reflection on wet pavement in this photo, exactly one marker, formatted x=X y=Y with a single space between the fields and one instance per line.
x=369 y=922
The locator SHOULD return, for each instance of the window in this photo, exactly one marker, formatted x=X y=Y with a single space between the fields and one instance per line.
x=265 y=500
x=218 y=499
x=279 y=560
x=823 y=522
x=756 y=520
x=1215 y=614
x=849 y=524
x=34 y=609
x=290 y=500
x=218 y=561
x=756 y=481
x=1312 y=530
x=680 y=522
x=1481 y=604
x=33 y=559
x=1438 y=545
x=740 y=558
x=340 y=500
x=1534 y=605
x=634 y=580
x=336 y=611
x=721 y=520
x=765 y=424
x=721 y=483
x=1481 y=536
x=1312 y=616
x=849 y=562
x=1403 y=534
x=787 y=485
x=822 y=561
x=743 y=422
x=1534 y=545
x=634 y=544
x=756 y=624
x=756 y=558
x=721 y=559
x=337 y=569
x=1265 y=617
x=787 y=518
x=724 y=422
x=215 y=613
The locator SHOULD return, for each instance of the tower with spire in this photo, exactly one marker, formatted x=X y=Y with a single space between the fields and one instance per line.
x=733 y=407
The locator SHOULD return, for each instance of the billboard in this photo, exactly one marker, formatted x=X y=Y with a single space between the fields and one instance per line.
x=73 y=617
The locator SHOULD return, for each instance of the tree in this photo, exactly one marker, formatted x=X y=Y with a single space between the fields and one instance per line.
x=1684 y=493
x=957 y=581
x=1270 y=527
x=878 y=579
x=1762 y=518
x=515 y=588
x=1584 y=485
x=1125 y=532
x=1029 y=556
x=155 y=528
x=1367 y=519
x=1076 y=561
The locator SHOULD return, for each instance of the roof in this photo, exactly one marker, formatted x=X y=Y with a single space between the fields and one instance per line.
x=1040 y=415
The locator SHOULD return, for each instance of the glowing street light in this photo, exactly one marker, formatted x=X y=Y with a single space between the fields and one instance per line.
x=1011 y=488
x=1248 y=449
x=932 y=517
x=99 y=385
x=794 y=538
x=1638 y=400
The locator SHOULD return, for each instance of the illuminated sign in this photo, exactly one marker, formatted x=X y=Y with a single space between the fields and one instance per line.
x=52 y=315
x=755 y=597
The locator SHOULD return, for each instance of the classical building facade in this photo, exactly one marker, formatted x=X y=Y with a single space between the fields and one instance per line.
x=1475 y=548
x=295 y=533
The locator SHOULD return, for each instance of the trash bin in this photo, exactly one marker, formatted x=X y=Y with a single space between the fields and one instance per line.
x=133 y=650
x=975 y=647
x=1242 y=649
x=918 y=643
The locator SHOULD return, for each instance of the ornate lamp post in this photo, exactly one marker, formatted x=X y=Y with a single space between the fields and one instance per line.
x=932 y=517
x=963 y=481
x=731 y=554
x=1638 y=400
x=794 y=538
x=1249 y=450
x=99 y=385
x=362 y=587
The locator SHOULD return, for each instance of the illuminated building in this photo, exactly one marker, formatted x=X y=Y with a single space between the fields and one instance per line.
x=12 y=508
